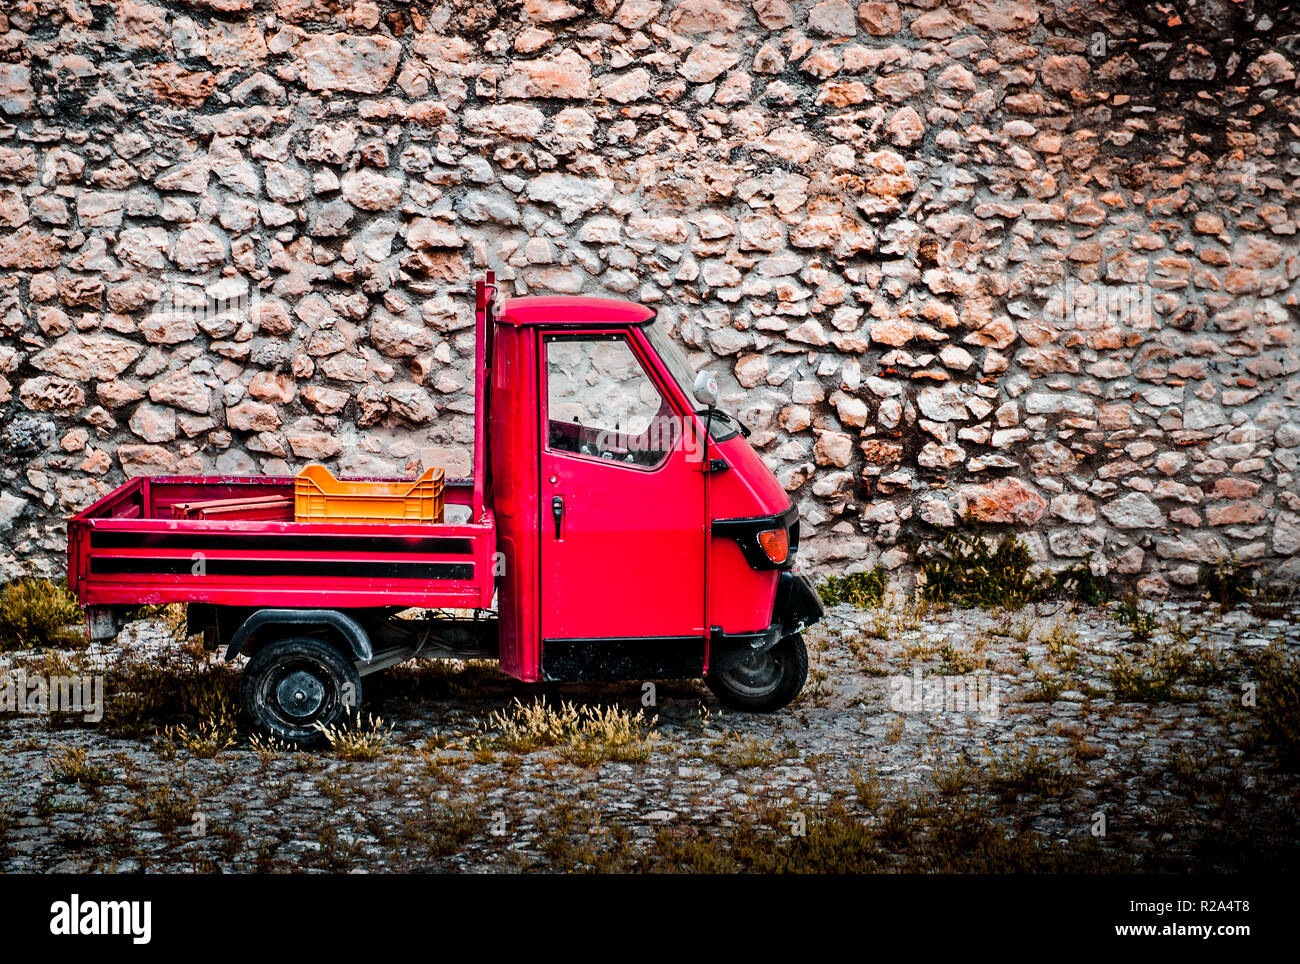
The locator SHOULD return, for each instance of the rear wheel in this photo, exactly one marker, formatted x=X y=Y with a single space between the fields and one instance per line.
x=292 y=686
x=766 y=681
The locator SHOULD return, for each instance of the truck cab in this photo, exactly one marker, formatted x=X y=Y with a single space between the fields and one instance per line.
x=620 y=527
x=638 y=521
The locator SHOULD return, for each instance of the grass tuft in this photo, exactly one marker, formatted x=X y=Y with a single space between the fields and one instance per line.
x=1278 y=675
x=268 y=748
x=744 y=752
x=1140 y=622
x=970 y=572
x=1026 y=770
x=1150 y=674
x=72 y=765
x=38 y=613
x=1081 y=584
x=862 y=590
x=583 y=734
x=358 y=737
x=207 y=740
x=169 y=809
x=1230 y=582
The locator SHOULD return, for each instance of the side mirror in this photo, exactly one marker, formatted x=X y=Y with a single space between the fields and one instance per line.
x=706 y=390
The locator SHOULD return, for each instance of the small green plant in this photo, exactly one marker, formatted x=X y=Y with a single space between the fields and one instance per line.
x=894 y=731
x=6 y=824
x=1209 y=665
x=869 y=660
x=970 y=572
x=168 y=809
x=1150 y=674
x=863 y=590
x=336 y=853
x=744 y=752
x=1274 y=600
x=36 y=613
x=1082 y=751
x=1229 y=582
x=1137 y=619
x=1022 y=631
x=1063 y=648
x=357 y=737
x=954 y=778
x=959 y=662
x=444 y=827
x=72 y=765
x=1026 y=769
x=579 y=839
x=817 y=689
x=1045 y=688
x=899 y=615
x=868 y=788
x=1080 y=584
x=1278 y=676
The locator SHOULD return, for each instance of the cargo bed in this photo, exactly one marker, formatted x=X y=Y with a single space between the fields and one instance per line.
x=142 y=544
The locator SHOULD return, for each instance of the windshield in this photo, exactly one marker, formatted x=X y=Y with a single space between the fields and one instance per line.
x=722 y=426
x=673 y=359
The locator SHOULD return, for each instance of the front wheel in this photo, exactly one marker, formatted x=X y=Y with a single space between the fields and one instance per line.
x=293 y=685
x=766 y=681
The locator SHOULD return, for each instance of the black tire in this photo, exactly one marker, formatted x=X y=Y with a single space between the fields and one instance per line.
x=766 y=681
x=323 y=681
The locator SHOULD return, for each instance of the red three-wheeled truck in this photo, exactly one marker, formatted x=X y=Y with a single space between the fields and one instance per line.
x=618 y=526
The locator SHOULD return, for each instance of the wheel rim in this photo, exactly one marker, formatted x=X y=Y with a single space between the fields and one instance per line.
x=299 y=693
x=757 y=676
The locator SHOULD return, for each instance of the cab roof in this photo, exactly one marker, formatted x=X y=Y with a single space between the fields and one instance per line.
x=572 y=310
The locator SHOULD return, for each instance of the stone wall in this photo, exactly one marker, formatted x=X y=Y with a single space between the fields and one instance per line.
x=1034 y=263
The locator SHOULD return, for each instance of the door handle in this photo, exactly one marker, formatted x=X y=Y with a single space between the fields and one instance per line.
x=557 y=510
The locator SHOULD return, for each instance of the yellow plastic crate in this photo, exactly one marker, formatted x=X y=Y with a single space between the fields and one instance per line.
x=319 y=497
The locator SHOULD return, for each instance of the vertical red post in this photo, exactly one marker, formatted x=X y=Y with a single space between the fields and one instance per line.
x=484 y=292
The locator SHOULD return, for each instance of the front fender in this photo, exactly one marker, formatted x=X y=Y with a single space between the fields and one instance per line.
x=796 y=607
x=797 y=604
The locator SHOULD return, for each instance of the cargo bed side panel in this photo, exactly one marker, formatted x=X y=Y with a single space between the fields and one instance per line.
x=118 y=557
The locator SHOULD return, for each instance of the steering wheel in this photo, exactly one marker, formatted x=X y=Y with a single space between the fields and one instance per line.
x=710 y=414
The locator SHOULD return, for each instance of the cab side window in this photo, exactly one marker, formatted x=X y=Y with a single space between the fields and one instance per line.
x=601 y=403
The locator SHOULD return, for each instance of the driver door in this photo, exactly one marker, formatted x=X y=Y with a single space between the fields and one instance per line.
x=623 y=516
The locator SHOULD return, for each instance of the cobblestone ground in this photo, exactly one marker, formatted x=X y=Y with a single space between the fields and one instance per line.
x=1061 y=741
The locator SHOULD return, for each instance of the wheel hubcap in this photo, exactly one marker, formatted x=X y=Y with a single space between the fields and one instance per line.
x=300 y=694
x=758 y=675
